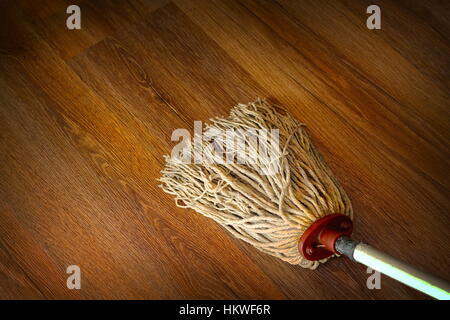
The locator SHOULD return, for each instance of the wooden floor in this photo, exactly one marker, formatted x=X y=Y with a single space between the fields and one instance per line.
x=86 y=116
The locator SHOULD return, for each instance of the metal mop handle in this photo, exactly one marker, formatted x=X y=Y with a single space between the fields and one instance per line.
x=331 y=234
x=394 y=268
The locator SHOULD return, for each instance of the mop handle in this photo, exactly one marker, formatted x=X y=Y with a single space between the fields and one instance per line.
x=394 y=268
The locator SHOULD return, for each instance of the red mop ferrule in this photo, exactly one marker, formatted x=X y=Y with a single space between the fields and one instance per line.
x=318 y=241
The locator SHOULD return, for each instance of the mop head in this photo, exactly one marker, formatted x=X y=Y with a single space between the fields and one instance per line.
x=258 y=175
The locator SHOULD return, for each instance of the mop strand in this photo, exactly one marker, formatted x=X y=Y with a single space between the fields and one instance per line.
x=269 y=197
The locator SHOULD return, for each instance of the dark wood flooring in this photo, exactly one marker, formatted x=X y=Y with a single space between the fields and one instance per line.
x=86 y=115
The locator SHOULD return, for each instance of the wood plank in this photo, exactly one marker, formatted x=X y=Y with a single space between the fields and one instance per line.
x=397 y=76
x=98 y=20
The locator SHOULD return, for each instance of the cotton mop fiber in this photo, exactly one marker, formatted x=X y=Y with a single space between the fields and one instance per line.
x=275 y=192
x=268 y=209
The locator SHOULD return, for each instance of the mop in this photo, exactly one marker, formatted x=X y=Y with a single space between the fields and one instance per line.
x=257 y=174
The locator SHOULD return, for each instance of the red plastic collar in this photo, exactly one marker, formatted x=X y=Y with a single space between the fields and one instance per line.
x=317 y=242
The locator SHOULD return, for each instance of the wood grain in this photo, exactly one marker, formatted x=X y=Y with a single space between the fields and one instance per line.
x=86 y=115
